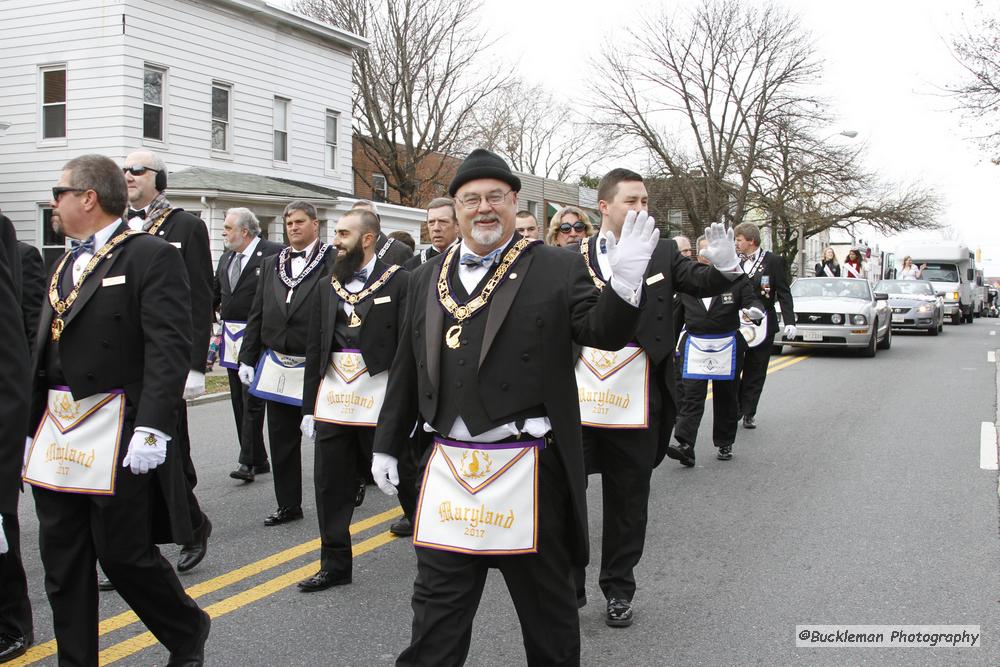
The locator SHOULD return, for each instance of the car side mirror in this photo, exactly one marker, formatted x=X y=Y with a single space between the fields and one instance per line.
x=881 y=296
x=940 y=294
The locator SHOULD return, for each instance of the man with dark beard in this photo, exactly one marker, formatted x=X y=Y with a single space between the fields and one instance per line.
x=352 y=340
x=389 y=250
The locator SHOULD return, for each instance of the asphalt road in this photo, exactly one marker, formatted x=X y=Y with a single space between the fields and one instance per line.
x=858 y=500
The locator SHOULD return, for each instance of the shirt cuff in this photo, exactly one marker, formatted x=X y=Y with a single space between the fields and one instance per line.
x=159 y=434
x=628 y=293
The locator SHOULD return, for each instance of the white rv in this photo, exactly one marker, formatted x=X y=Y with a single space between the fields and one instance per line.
x=951 y=267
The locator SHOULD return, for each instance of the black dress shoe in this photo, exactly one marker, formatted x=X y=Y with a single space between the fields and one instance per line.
x=12 y=646
x=682 y=452
x=323 y=580
x=262 y=469
x=283 y=515
x=359 y=495
x=749 y=422
x=725 y=453
x=192 y=554
x=619 y=613
x=243 y=472
x=104 y=584
x=195 y=657
x=402 y=528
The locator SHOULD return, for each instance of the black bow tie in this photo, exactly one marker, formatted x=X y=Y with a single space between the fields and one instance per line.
x=78 y=248
x=132 y=213
x=297 y=253
x=361 y=275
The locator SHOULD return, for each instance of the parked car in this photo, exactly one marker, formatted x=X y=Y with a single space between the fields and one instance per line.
x=840 y=313
x=914 y=304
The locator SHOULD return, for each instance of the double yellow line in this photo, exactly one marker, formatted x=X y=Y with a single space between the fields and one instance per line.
x=146 y=639
x=776 y=364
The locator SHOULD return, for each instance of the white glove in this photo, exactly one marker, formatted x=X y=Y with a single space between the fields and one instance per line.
x=3 y=537
x=385 y=470
x=754 y=313
x=194 y=386
x=629 y=255
x=145 y=451
x=308 y=427
x=790 y=331
x=245 y=374
x=721 y=250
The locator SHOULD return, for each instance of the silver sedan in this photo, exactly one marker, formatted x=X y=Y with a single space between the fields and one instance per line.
x=840 y=313
x=914 y=304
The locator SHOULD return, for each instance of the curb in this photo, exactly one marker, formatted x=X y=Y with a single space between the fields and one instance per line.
x=208 y=398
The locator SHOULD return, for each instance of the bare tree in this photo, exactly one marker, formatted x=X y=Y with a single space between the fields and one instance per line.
x=534 y=131
x=697 y=92
x=417 y=84
x=977 y=50
x=805 y=185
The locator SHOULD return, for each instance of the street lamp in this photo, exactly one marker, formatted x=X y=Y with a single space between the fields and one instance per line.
x=801 y=245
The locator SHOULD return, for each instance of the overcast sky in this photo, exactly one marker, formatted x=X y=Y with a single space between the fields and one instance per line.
x=885 y=61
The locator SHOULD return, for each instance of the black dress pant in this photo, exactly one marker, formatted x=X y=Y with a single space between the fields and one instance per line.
x=339 y=449
x=76 y=531
x=625 y=458
x=15 y=607
x=755 y=362
x=283 y=423
x=449 y=586
x=725 y=406
x=248 y=411
x=183 y=442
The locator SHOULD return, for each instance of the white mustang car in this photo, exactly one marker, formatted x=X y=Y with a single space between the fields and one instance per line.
x=841 y=312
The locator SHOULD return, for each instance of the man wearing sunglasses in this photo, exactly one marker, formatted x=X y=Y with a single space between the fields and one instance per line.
x=569 y=225
x=151 y=211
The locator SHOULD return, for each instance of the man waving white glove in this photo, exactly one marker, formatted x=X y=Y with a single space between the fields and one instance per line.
x=721 y=250
x=629 y=254
x=385 y=471
x=146 y=450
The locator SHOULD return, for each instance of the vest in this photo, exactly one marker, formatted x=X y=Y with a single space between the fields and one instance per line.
x=344 y=336
x=53 y=365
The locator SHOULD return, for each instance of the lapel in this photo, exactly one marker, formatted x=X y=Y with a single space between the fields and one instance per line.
x=303 y=289
x=502 y=300
x=255 y=260
x=433 y=325
x=222 y=274
x=377 y=270
x=280 y=291
x=93 y=281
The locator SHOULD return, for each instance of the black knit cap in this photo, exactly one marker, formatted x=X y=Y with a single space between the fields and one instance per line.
x=481 y=163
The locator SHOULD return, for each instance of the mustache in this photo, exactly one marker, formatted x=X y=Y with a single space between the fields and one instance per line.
x=487 y=217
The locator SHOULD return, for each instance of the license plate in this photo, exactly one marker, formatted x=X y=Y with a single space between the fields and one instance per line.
x=898 y=318
x=812 y=336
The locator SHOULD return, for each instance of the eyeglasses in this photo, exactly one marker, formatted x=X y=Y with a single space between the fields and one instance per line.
x=58 y=192
x=138 y=170
x=471 y=202
x=566 y=227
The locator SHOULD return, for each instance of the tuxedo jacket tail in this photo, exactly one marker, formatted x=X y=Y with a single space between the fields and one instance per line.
x=526 y=361
x=381 y=317
x=14 y=369
x=235 y=303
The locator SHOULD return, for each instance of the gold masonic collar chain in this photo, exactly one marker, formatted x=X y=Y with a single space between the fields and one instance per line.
x=585 y=251
x=356 y=298
x=462 y=312
x=155 y=227
x=60 y=306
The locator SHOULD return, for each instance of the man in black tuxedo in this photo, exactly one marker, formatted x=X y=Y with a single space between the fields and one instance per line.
x=353 y=334
x=116 y=323
x=274 y=347
x=624 y=441
x=390 y=251
x=486 y=351
x=715 y=320
x=149 y=210
x=33 y=273
x=236 y=280
x=767 y=275
x=442 y=228
x=16 y=627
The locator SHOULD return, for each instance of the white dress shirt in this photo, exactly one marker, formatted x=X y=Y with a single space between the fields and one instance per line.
x=101 y=237
x=354 y=285
x=245 y=255
x=299 y=263
x=748 y=263
x=137 y=222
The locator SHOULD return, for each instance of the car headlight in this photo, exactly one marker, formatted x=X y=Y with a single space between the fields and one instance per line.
x=926 y=308
x=859 y=319
x=955 y=296
x=836 y=318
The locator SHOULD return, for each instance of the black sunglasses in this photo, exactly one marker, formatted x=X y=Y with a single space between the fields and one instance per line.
x=58 y=192
x=138 y=170
x=565 y=227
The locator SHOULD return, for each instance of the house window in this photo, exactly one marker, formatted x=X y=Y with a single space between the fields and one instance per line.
x=380 y=188
x=54 y=102
x=675 y=217
x=533 y=208
x=53 y=243
x=152 y=102
x=332 y=121
x=221 y=96
x=281 y=129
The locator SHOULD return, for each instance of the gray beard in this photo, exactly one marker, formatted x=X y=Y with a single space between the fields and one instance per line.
x=485 y=237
